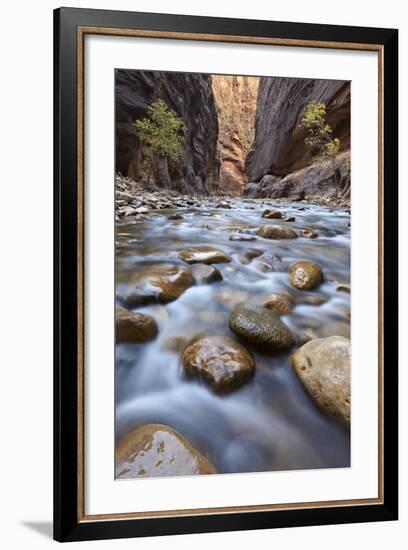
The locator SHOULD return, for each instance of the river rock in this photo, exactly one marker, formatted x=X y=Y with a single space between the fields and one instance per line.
x=156 y=450
x=276 y=232
x=278 y=303
x=308 y=233
x=134 y=326
x=261 y=328
x=175 y=216
x=343 y=288
x=312 y=299
x=249 y=255
x=323 y=366
x=205 y=274
x=242 y=237
x=204 y=255
x=160 y=283
x=289 y=219
x=305 y=275
x=220 y=361
x=272 y=214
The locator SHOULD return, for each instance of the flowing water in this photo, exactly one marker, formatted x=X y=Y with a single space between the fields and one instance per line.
x=271 y=423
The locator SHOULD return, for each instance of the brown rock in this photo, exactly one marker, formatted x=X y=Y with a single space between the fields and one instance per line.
x=305 y=275
x=272 y=214
x=204 y=255
x=323 y=366
x=242 y=237
x=156 y=450
x=308 y=233
x=276 y=232
x=278 y=304
x=160 y=283
x=134 y=327
x=205 y=274
x=220 y=361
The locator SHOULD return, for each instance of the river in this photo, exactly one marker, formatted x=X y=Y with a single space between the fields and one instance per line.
x=271 y=423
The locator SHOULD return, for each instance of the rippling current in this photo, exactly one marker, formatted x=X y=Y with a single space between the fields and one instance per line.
x=270 y=423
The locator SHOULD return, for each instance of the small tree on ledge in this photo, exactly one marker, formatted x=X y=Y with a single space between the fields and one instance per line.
x=162 y=132
x=319 y=134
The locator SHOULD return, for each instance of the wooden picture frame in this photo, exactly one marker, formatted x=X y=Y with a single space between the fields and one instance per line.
x=70 y=27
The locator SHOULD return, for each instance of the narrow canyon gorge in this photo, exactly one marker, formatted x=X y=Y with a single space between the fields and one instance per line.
x=242 y=134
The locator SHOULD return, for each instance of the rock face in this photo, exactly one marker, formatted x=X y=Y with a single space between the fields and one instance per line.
x=134 y=327
x=191 y=96
x=261 y=328
x=236 y=106
x=204 y=255
x=160 y=283
x=279 y=147
x=305 y=275
x=220 y=361
x=313 y=182
x=323 y=366
x=156 y=450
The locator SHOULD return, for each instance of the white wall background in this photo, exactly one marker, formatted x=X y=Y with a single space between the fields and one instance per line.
x=26 y=272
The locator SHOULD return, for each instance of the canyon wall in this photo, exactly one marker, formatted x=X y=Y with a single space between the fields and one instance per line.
x=191 y=97
x=279 y=149
x=236 y=107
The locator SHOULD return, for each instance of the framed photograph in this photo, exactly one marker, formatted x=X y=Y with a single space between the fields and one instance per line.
x=225 y=274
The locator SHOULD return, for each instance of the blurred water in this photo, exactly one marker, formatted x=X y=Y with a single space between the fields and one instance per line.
x=271 y=423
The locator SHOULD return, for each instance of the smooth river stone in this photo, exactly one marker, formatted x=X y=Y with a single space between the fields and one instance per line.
x=160 y=283
x=156 y=450
x=305 y=275
x=276 y=232
x=204 y=255
x=261 y=328
x=323 y=366
x=220 y=361
x=271 y=213
x=134 y=327
x=278 y=303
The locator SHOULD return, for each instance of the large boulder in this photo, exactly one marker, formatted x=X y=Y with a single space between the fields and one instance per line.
x=134 y=326
x=305 y=275
x=261 y=328
x=220 y=361
x=156 y=450
x=276 y=232
x=204 y=255
x=160 y=283
x=323 y=366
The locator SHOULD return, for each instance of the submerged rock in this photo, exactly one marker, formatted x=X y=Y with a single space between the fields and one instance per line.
x=220 y=361
x=323 y=366
x=205 y=274
x=278 y=303
x=249 y=255
x=156 y=283
x=276 y=232
x=305 y=275
x=261 y=328
x=204 y=255
x=156 y=450
x=134 y=327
